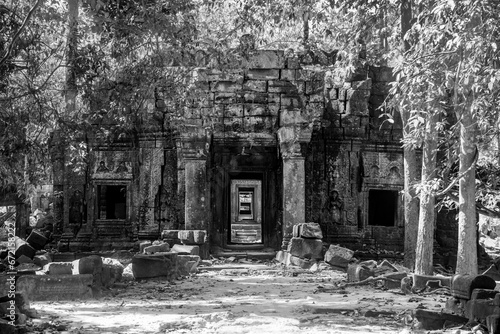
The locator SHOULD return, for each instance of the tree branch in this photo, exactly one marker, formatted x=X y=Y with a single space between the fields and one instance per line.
x=447 y=189
x=479 y=207
x=19 y=31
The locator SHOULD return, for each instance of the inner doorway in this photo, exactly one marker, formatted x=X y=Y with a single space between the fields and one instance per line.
x=246 y=212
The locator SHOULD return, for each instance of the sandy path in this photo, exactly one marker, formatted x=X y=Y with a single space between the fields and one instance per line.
x=236 y=299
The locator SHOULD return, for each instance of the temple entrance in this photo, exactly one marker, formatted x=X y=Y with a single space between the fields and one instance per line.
x=246 y=212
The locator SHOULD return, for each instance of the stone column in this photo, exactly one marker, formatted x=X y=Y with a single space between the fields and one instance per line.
x=290 y=137
x=293 y=195
x=196 y=203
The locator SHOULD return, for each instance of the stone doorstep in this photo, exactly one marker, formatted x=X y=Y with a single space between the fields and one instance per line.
x=56 y=287
x=253 y=254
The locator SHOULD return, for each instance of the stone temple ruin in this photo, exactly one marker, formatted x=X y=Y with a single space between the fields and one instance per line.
x=291 y=139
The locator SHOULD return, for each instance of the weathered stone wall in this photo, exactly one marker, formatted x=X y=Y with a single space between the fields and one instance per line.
x=304 y=127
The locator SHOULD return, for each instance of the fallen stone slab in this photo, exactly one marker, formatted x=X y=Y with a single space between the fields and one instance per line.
x=302 y=263
x=37 y=239
x=58 y=268
x=378 y=313
x=23 y=248
x=463 y=285
x=308 y=231
x=90 y=265
x=155 y=265
x=420 y=281
x=186 y=249
x=436 y=320
x=358 y=272
x=55 y=287
x=338 y=257
x=306 y=248
x=157 y=248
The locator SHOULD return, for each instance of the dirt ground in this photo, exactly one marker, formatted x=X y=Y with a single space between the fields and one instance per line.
x=240 y=298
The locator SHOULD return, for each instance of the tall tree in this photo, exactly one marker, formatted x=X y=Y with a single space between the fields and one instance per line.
x=411 y=204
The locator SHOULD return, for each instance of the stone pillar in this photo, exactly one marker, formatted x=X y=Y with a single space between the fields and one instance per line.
x=196 y=200
x=294 y=208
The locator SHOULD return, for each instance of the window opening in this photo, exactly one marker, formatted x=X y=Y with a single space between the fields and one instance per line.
x=382 y=207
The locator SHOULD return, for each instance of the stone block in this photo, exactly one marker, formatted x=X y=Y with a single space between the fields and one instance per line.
x=226 y=86
x=52 y=287
x=255 y=98
x=283 y=257
x=163 y=247
x=308 y=231
x=306 y=248
x=358 y=272
x=233 y=110
x=283 y=87
x=287 y=74
x=37 y=240
x=170 y=234
x=23 y=248
x=463 y=285
x=478 y=309
x=41 y=260
x=24 y=259
x=186 y=249
x=339 y=257
x=255 y=85
x=192 y=237
x=143 y=245
x=112 y=271
x=435 y=320
x=155 y=265
x=302 y=263
x=187 y=264
x=263 y=74
x=89 y=265
x=58 y=268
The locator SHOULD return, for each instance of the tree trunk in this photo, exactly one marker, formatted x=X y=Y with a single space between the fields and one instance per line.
x=410 y=163
x=425 y=239
x=467 y=229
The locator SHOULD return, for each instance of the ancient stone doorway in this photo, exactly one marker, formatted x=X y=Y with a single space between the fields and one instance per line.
x=246 y=212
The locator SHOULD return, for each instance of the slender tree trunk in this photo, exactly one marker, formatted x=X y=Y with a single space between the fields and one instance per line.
x=59 y=142
x=467 y=227
x=425 y=239
x=411 y=205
